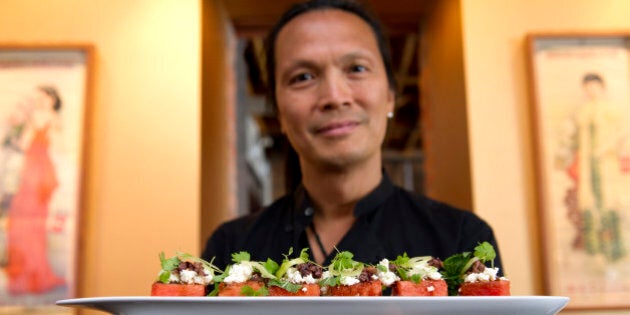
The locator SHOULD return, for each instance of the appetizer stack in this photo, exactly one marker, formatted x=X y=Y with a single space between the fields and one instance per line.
x=467 y=274
x=183 y=275
x=417 y=276
x=297 y=277
x=460 y=274
x=347 y=277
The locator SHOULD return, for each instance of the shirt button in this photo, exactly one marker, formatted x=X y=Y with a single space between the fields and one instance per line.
x=309 y=211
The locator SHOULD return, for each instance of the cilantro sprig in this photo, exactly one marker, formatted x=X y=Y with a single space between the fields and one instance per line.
x=168 y=265
x=485 y=252
x=342 y=265
x=456 y=266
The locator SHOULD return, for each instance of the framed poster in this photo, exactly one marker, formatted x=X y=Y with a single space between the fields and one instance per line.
x=44 y=97
x=581 y=90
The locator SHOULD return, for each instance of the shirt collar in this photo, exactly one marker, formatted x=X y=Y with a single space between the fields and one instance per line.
x=374 y=199
x=303 y=208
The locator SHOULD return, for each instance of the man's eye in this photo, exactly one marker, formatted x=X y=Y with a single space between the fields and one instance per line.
x=358 y=68
x=301 y=78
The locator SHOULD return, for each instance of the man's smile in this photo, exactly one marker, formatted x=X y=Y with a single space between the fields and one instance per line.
x=336 y=129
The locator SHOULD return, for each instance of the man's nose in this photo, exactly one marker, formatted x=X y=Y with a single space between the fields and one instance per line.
x=334 y=91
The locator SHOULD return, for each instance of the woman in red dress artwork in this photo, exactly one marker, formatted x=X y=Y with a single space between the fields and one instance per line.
x=28 y=269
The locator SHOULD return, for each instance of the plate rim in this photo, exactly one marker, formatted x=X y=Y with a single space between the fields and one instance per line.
x=372 y=299
x=286 y=305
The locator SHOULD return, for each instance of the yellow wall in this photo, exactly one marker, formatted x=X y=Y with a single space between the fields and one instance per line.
x=444 y=112
x=142 y=185
x=218 y=131
x=500 y=130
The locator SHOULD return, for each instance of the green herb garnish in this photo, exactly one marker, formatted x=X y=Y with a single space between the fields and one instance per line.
x=413 y=268
x=456 y=266
x=249 y=291
x=240 y=256
x=291 y=287
x=342 y=265
x=329 y=282
x=214 y=291
x=271 y=266
x=168 y=265
x=485 y=252
x=288 y=263
x=266 y=269
x=284 y=267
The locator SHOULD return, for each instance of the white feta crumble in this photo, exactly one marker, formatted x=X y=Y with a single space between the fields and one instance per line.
x=472 y=277
x=239 y=273
x=207 y=278
x=187 y=276
x=304 y=289
x=435 y=275
x=294 y=276
x=388 y=277
x=192 y=277
x=489 y=274
x=430 y=288
x=425 y=271
x=345 y=280
x=173 y=278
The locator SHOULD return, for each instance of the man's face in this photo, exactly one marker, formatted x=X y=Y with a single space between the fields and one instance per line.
x=331 y=88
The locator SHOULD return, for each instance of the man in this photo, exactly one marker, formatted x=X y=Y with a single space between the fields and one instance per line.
x=333 y=86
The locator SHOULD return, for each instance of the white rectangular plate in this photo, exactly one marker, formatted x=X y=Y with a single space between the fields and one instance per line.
x=487 y=305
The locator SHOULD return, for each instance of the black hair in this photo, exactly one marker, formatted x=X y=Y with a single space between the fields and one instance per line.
x=52 y=92
x=300 y=8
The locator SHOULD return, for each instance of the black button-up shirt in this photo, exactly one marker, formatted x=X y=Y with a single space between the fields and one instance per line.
x=389 y=221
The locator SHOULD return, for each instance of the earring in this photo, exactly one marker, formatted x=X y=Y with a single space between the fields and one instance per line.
x=390 y=115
